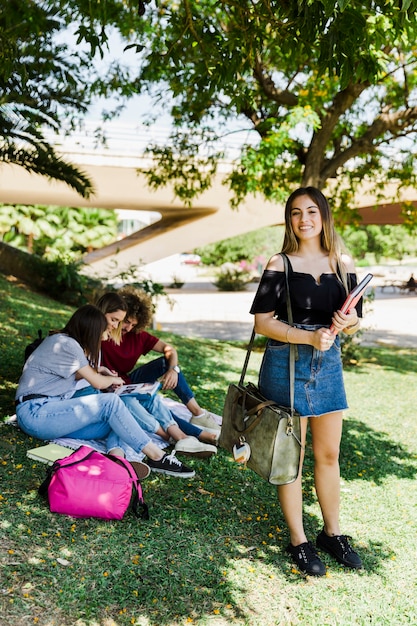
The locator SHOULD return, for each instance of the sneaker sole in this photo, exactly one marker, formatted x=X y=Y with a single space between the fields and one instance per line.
x=141 y=469
x=197 y=455
x=177 y=474
x=216 y=428
x=213 y=431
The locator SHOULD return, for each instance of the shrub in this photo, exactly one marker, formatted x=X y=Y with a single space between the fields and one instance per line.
x=232 y=277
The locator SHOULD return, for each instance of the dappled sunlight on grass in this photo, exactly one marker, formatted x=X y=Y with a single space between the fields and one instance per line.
x=213 y=551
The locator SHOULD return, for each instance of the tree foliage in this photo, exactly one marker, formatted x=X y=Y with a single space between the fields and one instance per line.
x=255 y=247
x=314 y=92
x=311 y=91
x=252 y=250
x=50 y=75
x=57 y=232
x=383 y=242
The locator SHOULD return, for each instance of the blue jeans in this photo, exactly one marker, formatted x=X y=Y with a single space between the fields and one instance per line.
x=150 y=413
x=48 y=418
x=150 y=372
x=143 y=411
x=155 y=406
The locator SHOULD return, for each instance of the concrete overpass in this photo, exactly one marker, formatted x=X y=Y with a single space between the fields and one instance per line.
x=118 y=186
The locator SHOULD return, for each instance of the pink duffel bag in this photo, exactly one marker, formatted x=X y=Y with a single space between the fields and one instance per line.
x=90 y=484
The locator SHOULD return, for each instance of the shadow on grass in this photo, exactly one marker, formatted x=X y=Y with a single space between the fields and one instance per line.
x=195 y=556
x=401 y=360
x=368 y=454
x=22 y=313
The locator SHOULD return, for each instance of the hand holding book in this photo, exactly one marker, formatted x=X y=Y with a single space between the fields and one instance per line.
x=353 y=298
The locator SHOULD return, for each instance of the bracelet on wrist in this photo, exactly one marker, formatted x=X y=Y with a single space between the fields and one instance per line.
x=355 y=325
x=286 y=336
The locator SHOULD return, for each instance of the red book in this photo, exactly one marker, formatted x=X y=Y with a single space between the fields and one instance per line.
x=354 y=296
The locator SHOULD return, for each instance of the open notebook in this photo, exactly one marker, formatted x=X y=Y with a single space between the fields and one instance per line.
x=138 y=389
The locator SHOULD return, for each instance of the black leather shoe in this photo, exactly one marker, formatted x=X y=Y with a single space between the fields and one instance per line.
x=307 y=559
x=339 y=547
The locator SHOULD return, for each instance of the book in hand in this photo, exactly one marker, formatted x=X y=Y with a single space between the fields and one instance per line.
x=138 y=389
x=354 y=296
x=49 y=453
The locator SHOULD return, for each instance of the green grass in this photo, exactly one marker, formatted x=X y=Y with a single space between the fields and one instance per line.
x=213 y=550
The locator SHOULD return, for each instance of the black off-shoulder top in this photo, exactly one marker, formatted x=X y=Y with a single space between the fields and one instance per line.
x=312 y=302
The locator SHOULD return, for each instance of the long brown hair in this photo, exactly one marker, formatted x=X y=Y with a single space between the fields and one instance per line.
x=330 y=241
x=111 y=302
x=87 y=326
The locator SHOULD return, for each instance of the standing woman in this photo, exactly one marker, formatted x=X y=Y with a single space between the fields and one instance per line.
x=320 y=276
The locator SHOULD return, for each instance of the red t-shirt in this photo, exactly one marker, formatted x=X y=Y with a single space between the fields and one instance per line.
x=123 y=358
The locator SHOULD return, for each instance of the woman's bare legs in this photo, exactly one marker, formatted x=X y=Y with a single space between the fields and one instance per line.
x=207 y=437
x=291 y=499
x=326 y=433
x=152 y=451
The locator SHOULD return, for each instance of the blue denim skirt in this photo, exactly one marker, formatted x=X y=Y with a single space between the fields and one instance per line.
x=319 y=385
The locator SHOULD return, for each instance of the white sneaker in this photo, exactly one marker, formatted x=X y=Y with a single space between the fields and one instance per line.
x=213 y=431
x=191 y=446
x=206 y=421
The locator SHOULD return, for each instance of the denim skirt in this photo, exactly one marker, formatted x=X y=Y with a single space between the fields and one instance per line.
x=319 y=386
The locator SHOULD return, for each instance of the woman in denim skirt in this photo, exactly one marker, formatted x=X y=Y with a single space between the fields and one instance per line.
x=321 y=274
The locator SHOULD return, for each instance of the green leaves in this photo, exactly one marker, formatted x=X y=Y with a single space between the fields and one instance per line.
x=53 y=231
x=325 y=89
x=188 y=164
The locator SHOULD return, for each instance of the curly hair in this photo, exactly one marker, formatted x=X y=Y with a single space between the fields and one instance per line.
x=138 y=305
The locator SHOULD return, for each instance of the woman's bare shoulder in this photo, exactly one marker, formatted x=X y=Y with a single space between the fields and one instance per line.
x=348 y=263
x=275 y=263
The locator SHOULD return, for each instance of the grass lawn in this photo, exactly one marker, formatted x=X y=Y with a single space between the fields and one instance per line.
x=213 y=550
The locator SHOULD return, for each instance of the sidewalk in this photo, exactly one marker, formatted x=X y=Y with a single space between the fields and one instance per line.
x=200 y=310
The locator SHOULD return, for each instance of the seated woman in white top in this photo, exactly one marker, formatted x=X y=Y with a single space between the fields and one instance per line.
x=46 y=409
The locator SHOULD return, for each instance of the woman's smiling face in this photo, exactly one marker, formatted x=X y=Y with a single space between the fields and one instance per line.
x=306 y=220
x=114 y=319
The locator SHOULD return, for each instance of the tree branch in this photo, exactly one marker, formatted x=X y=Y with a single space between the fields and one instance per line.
x=342 y=101
x=393 y=123
x=280 y=96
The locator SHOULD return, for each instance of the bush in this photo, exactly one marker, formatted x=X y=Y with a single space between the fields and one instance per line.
x=232 y=277
x=263 y=242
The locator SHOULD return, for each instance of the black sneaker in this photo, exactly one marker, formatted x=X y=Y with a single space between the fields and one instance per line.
x=339 y=547
x=169 y=464
x=307 y=559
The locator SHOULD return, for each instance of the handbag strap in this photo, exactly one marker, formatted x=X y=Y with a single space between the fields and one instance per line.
x=293 y=347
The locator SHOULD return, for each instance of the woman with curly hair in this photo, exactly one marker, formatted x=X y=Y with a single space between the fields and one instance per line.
x=47 y=408
x=151 y=413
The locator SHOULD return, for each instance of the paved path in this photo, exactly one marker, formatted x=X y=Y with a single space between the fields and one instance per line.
x=200 y=310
